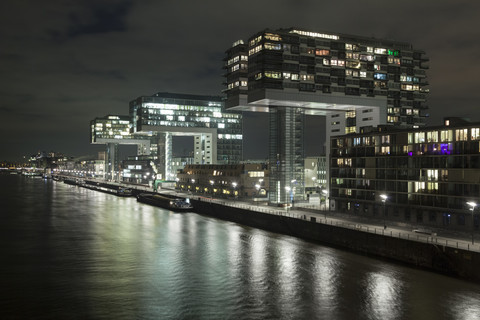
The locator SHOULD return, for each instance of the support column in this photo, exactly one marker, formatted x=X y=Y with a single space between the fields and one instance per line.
x=286 y=154
x=111 y=161
x=164 y=146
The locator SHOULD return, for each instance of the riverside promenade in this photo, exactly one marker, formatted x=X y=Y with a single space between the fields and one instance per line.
x=314 y=213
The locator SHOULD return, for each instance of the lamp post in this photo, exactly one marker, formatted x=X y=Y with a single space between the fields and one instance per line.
x=288 y=191
x=384 y=200
x=472 y=208
x=325 y=194
x=234 y=184
x=294 y=182
x=193 y=184
x=257 y=186
x=211 y=183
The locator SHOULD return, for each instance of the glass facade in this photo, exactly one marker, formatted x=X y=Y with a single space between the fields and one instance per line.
x=425 y=173
x=286 y=154
x=154 y=120
x=110 y=127
x=192 y=115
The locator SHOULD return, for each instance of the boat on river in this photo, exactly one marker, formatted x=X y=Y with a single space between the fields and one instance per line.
x=107 y=188
x=174 y=204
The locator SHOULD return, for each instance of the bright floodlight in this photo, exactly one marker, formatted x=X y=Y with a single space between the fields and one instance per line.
x=234 y=184
x=384 y=197
x=325 y=192
x=472 y=204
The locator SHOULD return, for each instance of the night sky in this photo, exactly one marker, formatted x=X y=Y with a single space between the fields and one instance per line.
x=63 y=63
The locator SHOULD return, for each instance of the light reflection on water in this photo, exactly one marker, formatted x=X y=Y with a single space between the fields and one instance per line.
x=76 y=253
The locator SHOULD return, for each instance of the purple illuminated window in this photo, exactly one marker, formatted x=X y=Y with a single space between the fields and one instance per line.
x=444 y=148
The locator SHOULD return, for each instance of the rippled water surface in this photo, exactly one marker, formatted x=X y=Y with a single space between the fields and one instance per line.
x=73 y=253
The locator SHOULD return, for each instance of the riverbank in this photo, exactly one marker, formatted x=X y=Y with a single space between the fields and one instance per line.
x=424 y=252
x=454 y=257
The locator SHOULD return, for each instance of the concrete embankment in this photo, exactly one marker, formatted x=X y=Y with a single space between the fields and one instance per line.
x=443 y=259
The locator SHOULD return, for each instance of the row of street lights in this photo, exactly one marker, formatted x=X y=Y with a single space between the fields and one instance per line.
x=472 y=205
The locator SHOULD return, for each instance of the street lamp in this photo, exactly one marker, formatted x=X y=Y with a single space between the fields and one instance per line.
x=257 y=186
x=325 y=194
x=234 y=184
x=294 y=182
x=287 y=189
x=211 y=183
x=472 y=208
x=384 y=200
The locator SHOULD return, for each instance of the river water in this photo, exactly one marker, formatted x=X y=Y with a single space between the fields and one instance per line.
x=73 y=253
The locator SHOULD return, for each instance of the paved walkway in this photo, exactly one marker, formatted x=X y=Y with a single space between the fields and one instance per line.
x=443 y=237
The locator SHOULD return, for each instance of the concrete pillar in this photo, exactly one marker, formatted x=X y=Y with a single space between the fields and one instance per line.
x=111 y=161
x=164 y=147
x=286 y=154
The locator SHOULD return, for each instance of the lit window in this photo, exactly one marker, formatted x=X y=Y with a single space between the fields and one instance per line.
x=419 y=137
x=380 y=51
x=395 y=53
x=432 y=136
x=350 y=129
x=272 y=46
x=461 y=134
x=445 y=135
x=475 y=133
x=350 y=114
x=322 y=52
x=353 y=64
x=273 y=74
x=255 y=50
x=273 y=37
x=380 y=76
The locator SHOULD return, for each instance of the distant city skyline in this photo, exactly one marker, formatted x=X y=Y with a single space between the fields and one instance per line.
x=68 y=63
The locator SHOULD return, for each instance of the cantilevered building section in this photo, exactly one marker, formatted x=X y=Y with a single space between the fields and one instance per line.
x=113 y=131
x=154 y=120
x=356 y=82
x=217 y=134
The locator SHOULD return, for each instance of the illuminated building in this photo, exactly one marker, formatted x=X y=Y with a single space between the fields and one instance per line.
x=315 y=174
x=356 y=82
x=428 y=175
x=112 y=131
x=247 y=180
x=154 y=120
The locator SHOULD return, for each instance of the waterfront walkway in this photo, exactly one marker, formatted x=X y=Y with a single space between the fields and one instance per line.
x=314 y=214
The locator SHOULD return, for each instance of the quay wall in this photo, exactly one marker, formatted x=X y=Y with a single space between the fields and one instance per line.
x=454 y=262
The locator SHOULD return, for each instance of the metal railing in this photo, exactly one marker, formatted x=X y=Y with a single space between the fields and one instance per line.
x=319 y=218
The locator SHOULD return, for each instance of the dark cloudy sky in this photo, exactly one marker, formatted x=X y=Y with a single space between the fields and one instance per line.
x=65 y=62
